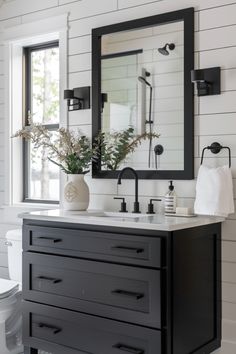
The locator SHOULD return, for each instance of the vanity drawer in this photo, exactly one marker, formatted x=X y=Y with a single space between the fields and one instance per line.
x=100 y=245
x=74 y=332
x=116 y=291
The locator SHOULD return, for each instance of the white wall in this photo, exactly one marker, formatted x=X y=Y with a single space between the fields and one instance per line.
x=215 y=116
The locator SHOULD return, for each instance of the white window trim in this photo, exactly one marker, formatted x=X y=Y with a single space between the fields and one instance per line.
x=14 y=39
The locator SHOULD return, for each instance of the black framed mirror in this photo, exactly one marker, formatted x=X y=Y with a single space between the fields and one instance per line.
x=141 y=84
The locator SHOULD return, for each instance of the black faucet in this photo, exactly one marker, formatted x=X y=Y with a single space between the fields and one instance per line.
x=136 y=203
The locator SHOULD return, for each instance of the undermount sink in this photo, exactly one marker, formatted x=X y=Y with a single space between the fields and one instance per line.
x=108 y=214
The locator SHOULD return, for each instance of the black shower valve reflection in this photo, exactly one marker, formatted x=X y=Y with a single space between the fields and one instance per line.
x=158 y=150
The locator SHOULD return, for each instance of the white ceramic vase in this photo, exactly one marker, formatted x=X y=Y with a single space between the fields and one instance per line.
x=76 y=193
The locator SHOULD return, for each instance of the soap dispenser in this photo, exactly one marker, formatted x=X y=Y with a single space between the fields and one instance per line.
x=170 y=200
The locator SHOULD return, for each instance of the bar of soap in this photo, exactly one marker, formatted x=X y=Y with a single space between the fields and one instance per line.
x=184 y=210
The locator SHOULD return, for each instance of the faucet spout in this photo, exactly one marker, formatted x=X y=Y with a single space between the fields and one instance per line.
x=136 y=203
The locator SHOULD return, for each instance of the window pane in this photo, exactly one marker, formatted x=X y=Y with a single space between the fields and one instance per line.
x=43 y=182
x=45 y=86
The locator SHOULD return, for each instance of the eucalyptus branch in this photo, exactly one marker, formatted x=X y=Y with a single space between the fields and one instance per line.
x=59 y=165
x=115 y=147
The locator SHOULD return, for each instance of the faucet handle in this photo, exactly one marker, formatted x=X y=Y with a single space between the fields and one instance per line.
x=150 y=206
x=123 y=205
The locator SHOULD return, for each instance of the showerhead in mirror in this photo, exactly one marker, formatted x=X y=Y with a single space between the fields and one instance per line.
x=164 y=50
x=144 y=81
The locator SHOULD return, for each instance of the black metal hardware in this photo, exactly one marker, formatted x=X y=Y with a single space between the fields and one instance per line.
x=136 y=208
x=49 y=279
x=103 y=100
x=148 y=121
x=150 y=206
x=52 y=239
x=127 y=249
x=215 y=149
x=136 y=203
x=158 y=150
x=78 y=98
x=48 y=328
x=207 y=80
x=126 y=293
x=123 y=205
x=164 y=50
x=128 y=349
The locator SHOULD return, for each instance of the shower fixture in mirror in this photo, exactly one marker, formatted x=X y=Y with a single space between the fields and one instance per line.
x=142 y=96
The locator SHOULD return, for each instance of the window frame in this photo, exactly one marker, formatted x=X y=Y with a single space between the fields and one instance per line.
x=27 y=91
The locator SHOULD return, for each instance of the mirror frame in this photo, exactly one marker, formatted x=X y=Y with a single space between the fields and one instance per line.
x=187 y=16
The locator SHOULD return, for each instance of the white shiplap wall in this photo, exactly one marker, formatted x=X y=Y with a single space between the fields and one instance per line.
x=215 y=117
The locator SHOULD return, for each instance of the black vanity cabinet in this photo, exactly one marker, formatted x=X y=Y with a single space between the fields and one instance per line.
x=109 y=290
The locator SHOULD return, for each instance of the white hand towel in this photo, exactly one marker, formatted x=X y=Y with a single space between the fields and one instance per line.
x=214 y=191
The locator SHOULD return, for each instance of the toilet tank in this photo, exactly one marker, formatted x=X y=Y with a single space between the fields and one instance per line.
x=14 y=244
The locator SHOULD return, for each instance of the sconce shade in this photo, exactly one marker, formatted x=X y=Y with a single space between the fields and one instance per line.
x=104 y=97
x=68 y=94
x=197 y=76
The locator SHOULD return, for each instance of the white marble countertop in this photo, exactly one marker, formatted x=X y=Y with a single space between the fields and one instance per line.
x=126 y=220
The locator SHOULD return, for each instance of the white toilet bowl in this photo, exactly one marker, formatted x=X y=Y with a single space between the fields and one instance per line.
x=10 y=298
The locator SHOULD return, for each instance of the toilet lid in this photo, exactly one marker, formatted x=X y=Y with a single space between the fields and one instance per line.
x=7 y=288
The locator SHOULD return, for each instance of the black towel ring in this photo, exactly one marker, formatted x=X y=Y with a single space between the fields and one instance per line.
x=215 y=149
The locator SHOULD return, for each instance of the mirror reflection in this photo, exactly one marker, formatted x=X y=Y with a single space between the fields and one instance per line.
x=142 y=76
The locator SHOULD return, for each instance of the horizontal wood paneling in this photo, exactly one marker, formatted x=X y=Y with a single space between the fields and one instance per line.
x=224 y=103
x=217 y=17
x=215 y=124
x=215 y=38
x=223 y=57
x=80 y=45
x=229 y=251
x=11 y=9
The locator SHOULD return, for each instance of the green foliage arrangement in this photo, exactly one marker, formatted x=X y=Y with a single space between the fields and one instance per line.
x=74 y=152
x=71 y=151
x=115 y=147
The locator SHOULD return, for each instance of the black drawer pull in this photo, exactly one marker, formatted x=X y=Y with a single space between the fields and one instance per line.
x=126 y=293
x=127 y=249
x=49 y=280
x=128 y=349
x=52 y=239
x=50 y=329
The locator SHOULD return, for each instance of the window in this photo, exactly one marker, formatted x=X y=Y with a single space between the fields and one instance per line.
x=41 y=105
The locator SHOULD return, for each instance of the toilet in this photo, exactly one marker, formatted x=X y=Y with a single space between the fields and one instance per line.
x=10 y=297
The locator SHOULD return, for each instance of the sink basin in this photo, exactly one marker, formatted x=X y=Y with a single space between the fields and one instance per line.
x=109 y=214
x=124 y=215
x=92 y=214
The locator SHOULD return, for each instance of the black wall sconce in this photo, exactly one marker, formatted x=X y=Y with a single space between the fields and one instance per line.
x=78 y=98
x=207 y=80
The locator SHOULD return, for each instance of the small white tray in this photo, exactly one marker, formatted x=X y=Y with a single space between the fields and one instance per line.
x=181 y=215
